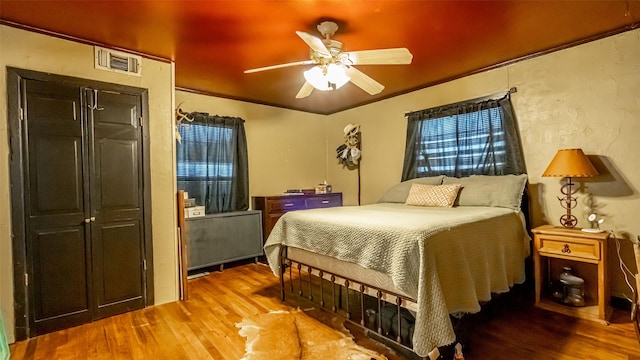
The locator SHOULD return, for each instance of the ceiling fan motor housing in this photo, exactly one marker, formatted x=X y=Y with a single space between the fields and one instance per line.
x=327 y=28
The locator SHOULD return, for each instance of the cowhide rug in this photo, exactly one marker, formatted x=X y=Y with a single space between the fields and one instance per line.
x=291 y=335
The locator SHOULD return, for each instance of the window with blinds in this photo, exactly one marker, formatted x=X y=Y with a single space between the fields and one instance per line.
x=463 y=139
x=198 y=139
x=467 y=142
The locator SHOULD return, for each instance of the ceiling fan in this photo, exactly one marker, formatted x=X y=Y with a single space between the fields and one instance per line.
x=334 y=67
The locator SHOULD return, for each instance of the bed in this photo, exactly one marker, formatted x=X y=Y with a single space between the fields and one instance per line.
x=433 y=260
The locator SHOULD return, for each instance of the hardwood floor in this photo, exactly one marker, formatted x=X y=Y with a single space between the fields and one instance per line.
x=204 y=327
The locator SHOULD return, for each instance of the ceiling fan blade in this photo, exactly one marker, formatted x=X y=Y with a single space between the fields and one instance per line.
x=305 y=90
x=303 y=62
x=363 y=81
x=314 y=43
x=379 y=57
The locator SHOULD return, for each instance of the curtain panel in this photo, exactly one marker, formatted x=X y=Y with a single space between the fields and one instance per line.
x=212 y=164
x=470 y=138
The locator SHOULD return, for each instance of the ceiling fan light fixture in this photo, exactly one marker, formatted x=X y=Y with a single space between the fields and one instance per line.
x=337 y=75
x=316 y=78
x=329 y=77
x=334 y=68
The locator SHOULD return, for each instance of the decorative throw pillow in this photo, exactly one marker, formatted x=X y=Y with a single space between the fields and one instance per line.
x=399 y=192
x=433 y=195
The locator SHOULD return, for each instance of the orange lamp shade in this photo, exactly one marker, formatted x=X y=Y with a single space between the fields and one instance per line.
x=570 y=163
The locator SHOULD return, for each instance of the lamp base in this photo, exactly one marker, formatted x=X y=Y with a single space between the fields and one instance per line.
x=568 y=202
x=592 y=230
x=568 y=221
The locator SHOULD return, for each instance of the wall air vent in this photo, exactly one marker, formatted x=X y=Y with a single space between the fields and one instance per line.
x=107 y=59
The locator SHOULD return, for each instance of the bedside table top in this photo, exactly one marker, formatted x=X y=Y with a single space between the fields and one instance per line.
x=575 y=232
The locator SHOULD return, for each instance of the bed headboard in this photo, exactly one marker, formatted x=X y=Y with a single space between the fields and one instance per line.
x=525 y=206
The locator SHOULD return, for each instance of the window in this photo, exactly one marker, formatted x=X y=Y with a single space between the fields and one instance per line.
x=198 y=167
x=212 y=162
x=472 y=138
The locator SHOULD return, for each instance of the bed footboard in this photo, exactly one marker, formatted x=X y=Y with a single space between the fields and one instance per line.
x=381 y=314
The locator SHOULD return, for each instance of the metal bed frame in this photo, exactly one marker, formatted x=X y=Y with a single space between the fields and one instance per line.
x=342 y=305
x=382 y=295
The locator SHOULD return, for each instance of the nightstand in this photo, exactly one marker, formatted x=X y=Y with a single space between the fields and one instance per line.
x=555 y=247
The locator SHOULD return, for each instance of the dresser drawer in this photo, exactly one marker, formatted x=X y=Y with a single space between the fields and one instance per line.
x=579 y=248
x=324 y=201
x=282 y=204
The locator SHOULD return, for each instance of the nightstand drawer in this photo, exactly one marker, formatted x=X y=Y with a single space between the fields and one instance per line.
x=579 y=248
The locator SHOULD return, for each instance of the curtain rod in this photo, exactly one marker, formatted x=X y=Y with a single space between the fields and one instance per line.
x=497 y=95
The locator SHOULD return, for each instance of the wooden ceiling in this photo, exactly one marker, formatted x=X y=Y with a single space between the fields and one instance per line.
x=213 y=42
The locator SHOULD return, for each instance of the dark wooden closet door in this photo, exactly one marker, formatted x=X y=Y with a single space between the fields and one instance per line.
x=84 y=195
x=56 y=233
x=116 y=202
x=79 y=189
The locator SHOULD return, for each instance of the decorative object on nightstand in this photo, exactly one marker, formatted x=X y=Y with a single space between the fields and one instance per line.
x=569 y=163
x=562 y=247
x=572 y=288
x=595 y=220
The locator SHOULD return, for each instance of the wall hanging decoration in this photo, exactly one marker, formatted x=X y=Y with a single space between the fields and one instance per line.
x=349 y=153
x=180 y=117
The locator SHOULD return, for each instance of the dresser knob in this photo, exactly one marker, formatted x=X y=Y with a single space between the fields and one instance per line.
x=566 y=249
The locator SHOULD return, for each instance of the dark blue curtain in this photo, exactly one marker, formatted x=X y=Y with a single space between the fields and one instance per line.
x=212 y=163
x=470 y=138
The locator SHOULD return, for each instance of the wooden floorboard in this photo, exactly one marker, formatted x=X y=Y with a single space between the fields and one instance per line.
x=204 y=327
